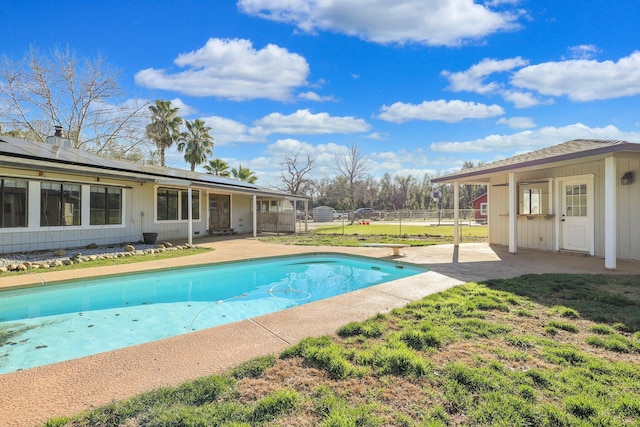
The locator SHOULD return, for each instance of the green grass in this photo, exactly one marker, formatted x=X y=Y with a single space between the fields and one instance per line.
x=464 y=357
x=117 y=261
x=354 y=235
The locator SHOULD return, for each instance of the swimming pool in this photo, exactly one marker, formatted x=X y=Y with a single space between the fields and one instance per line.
x=44 y=325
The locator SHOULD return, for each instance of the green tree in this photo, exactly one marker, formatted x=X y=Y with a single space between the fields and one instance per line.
x=196 y=143
x=244 y=174
x=218 y=167
x=164 y=128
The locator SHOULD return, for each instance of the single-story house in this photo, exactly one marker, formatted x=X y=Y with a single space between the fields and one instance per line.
x=579 y=196
x=54 y=196
x=480 y=208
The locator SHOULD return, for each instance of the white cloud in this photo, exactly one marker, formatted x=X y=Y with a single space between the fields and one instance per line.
x=304 y=122
x=312 y=96
x=232 y=69
x=534 y=139
x=323 y=155
x=377 y=136
x=583 y=51
x=288 y=146
x=435 y=22
x=472 y=80
x=583 y=80
x=521 y=99
x=518 y=122
x=226 y=131
x=441 y=110
x=184 y=109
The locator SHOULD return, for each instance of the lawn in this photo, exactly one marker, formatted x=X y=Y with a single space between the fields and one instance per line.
x=538 y=350
x=354 y=235
x=158 y=256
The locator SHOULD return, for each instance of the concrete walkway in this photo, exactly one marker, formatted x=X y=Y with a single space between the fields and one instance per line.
x=32 y=396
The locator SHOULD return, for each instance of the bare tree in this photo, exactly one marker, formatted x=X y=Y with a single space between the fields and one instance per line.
x=352 y=167
x=81 y=95
x=294 y=172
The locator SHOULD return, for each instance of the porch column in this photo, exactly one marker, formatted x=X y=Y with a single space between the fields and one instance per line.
x=190 y=214
x=513 y=212
x=456 y=213
x=610 y=213
x=255 y=216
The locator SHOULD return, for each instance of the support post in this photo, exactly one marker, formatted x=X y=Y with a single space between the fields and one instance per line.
x=456 y=213
x=190 y=214
x=255 y=216
x=610 y=213
x=513 y=214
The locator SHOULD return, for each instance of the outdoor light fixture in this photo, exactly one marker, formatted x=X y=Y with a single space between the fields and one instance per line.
x=627 y=178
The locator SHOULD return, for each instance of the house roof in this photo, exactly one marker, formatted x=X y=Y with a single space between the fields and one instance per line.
x=20 y=153
x=571 y=150
x=479 y=197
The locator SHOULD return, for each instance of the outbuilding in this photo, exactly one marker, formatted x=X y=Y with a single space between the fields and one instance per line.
x=581 y=196
x=480 y=208
x=323 y=214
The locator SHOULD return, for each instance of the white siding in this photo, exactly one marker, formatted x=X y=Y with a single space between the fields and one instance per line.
x=539 y=232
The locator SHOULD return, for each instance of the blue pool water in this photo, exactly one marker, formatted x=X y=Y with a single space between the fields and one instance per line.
x=45 y=325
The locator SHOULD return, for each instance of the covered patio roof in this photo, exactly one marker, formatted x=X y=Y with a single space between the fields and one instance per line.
x=566 y=152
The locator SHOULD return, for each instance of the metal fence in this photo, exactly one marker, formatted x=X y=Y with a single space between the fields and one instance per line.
x=432 y=216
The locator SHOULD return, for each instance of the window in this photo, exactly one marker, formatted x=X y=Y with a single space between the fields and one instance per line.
x=172 y=204
x=13 y=199
x=483 y=209
x=530 y=201
x=59 y=204
x=167 y=205
x=195 y=204
x=106 y=205
x=576 y=200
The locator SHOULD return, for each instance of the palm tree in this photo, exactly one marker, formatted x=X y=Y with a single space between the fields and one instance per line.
x=196 y=142
x=218 y=167
x=244 y=174
x=164 y=128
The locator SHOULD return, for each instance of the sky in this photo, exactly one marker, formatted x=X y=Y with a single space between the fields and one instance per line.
x=419 y=86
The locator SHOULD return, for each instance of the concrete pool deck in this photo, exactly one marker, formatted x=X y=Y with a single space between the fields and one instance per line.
x=32 y=396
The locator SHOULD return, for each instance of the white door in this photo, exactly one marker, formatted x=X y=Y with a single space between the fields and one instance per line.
x=577 y=216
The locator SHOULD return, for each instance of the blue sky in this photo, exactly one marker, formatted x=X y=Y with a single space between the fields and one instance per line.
x=419 y=85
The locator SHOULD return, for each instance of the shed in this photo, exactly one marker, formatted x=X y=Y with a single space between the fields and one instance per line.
x=323 y=214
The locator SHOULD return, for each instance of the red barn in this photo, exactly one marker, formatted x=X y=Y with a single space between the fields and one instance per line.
x=480 y=207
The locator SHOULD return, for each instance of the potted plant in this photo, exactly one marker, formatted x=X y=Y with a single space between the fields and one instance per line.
x=149 y=238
